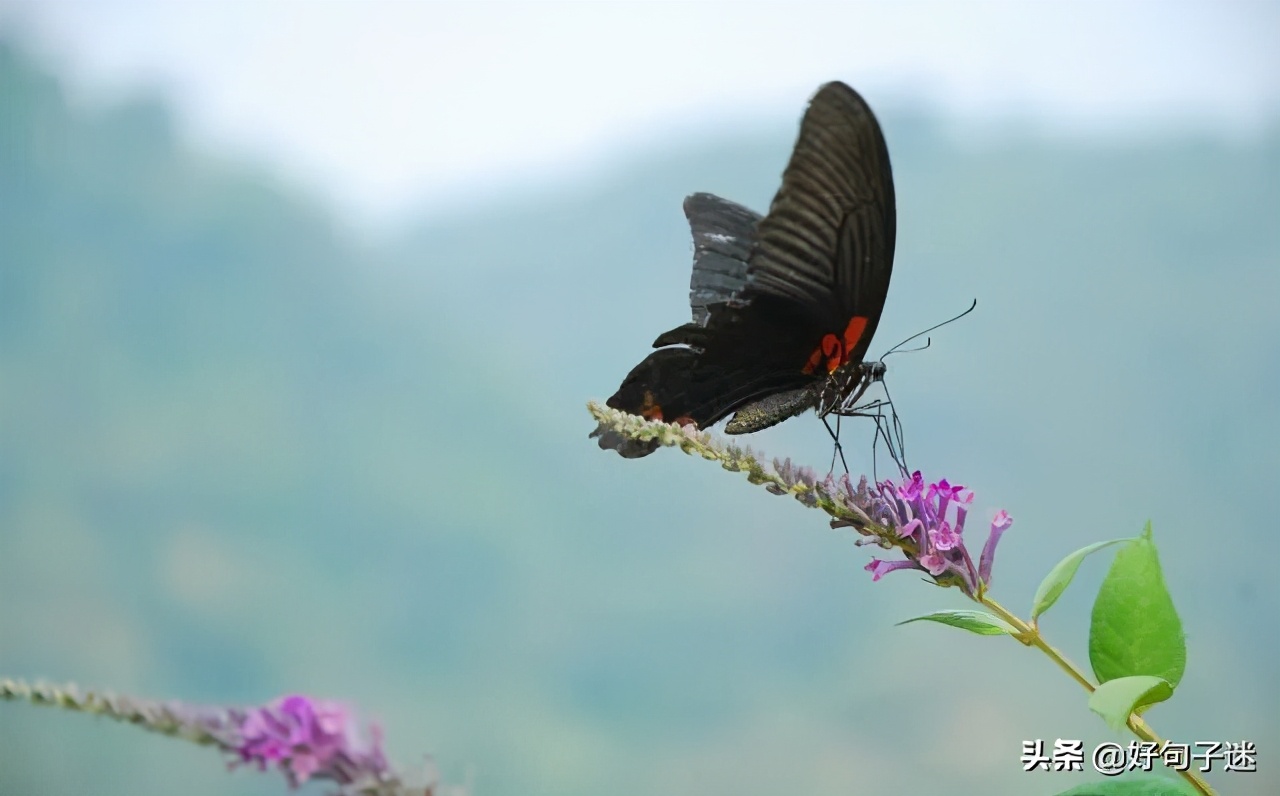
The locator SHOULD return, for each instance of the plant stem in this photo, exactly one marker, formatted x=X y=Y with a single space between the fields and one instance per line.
x=1029 y=634
x=154 y=716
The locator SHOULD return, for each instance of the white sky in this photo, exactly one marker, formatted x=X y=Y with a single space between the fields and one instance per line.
x=387 y=103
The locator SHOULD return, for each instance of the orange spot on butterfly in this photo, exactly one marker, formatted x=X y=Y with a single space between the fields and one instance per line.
x=650 y=409
x=814 y=359
x=853 y=333
x=835 y=350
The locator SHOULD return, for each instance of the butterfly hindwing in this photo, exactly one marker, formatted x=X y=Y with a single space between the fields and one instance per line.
x=724 y=234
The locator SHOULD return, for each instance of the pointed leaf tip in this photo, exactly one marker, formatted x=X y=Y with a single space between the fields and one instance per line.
x=1135 y=629
x=980 y=622
x=1056 y=582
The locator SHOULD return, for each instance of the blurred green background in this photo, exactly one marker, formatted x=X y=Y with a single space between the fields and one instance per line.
x=246 y=450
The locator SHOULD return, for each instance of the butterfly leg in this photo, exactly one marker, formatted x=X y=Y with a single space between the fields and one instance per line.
x=839 y=450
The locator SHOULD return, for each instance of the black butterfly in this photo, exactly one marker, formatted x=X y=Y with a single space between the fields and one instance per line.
x=784 y=305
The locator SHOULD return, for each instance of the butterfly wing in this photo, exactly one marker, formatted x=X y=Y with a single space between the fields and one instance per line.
x=827 y=242
x=724 y=234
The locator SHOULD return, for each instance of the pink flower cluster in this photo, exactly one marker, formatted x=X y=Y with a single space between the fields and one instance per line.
x=307 y=738
x=922 y=514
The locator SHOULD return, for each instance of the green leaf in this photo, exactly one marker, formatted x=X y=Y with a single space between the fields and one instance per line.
x=1135 y=629
x=1116 y=699
x=1133 y=786
x=1056 y=582
x=980 y=622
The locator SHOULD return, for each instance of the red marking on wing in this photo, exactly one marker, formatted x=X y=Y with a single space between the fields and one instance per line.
x=853 y=333
x=649 y=408
x=836 y=350
x=814 y=359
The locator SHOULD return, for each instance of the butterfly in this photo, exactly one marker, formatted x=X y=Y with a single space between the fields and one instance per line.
x=784 y=305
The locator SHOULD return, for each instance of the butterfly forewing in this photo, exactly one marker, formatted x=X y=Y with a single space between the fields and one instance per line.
x=827 y=242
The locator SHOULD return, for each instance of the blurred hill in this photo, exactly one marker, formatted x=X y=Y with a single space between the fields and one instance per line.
x=243 y=453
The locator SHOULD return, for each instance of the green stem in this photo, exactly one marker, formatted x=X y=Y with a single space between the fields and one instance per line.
x=1029 y=634
x=151 y=716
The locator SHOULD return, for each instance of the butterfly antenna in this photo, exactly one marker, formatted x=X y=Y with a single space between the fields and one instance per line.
x=898 y=348
x=928 y=341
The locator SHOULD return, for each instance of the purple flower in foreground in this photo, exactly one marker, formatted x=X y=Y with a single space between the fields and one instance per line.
x=945 y=537
x=912 y=489
x=927 y=529
x=307 y=738
x=933 y=563
x=908 y=531
x=911 y=515
x=943 y=488
x=999 y=525
x=879 y=568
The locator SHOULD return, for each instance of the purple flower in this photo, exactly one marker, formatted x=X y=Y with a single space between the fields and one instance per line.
x=879 y=569
x=943 y=488
x=945 y=493
x=999 y=525
x=911 y=491
x=908 y=531
x=926 y=528
x=307 y=738
x=944 y=537
x=934 y=563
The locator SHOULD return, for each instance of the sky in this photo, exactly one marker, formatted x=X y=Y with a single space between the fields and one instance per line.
x=389 y=107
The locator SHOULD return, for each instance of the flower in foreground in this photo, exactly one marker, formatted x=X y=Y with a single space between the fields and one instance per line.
x=879 y=568
x=925 y=520
x=929 y=521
